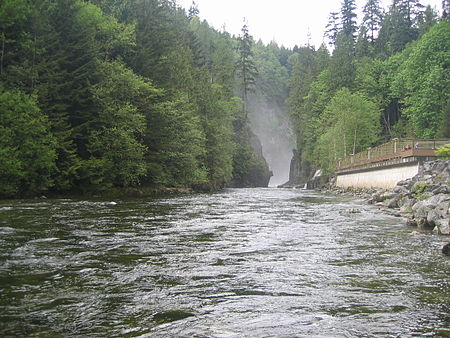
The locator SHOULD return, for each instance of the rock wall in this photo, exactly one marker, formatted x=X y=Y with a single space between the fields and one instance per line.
x=299 y=173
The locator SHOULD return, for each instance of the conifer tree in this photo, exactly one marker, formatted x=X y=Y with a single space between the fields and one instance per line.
x=245 y=65
x=193 y=11
x=373 y=16
x=332 y=28
x=349 y=16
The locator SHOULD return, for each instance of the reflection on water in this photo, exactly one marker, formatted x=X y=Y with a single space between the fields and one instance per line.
x=248 y=262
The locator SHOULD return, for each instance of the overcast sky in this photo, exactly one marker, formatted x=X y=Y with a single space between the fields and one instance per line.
x=285 y=21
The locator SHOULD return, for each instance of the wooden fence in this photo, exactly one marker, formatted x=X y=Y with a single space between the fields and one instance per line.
x=396 y=148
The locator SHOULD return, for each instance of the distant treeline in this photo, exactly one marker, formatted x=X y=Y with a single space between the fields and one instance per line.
x=109 y=94
x=388 y=77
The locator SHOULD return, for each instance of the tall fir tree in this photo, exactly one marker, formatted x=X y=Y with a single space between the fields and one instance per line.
x=332 y=28
x=373 y=16
x=348 y=17
x=245 y=65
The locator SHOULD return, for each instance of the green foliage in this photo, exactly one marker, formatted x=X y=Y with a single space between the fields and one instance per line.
x=176 y=144
x=27 y=149
x=443 y=151
x=419 y=191
x=245 y=66
x=116 y=145
x=354 y=125
x=426 y=80
x=92 y=67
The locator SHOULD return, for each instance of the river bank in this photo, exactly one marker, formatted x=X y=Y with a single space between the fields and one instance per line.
x=423 y=200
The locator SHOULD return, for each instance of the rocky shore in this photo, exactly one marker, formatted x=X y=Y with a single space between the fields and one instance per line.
x=423 y=200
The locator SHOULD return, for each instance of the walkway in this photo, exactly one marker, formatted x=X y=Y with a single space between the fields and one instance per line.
x=394 y=152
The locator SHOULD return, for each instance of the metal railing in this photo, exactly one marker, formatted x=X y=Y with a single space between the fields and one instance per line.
x=396 y=148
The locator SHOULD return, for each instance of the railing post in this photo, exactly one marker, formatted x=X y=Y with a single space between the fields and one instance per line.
x=395 y=144
x=368 y=153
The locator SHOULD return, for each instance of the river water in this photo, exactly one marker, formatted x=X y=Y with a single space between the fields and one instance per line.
x=239 y=263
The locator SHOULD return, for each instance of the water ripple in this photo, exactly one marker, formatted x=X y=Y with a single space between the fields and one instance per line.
x=240 y=263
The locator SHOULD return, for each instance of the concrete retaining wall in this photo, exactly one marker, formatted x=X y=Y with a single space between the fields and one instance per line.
x=385 y=178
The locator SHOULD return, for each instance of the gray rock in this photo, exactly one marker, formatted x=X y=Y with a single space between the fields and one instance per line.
x=401 y=190
x=376 y=197
x=443 y=209
x=406 y=202
x=443 y=226
x=403 y=183
x=441 y=189
x=393 y=203
x=387 y=195
x=432 y=217
x=446 y=249
x=421 y=209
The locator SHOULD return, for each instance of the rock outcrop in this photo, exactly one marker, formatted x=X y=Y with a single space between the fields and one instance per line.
x=252 y=169
x=300 y=172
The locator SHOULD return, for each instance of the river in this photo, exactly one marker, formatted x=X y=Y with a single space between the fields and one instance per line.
x=239 y=263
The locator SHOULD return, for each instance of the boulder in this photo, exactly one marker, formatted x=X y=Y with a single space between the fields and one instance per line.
x=443 y=226
x=401 y=190
x=406 y=203
x=446 y=249
x=421 y=209
x=441 y=189
x=387 y=195
x=393 y=203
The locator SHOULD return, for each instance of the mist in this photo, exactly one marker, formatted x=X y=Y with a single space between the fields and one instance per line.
x=270 y=121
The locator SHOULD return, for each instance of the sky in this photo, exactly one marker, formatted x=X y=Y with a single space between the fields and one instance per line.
x=288 y=22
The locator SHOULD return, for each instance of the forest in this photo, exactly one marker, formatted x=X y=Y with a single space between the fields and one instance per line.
x=387 y=77
x=109 y=95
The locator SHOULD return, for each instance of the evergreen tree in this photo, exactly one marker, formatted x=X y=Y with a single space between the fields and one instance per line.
x=426 y=82
x=427 y=20
x=332 y=28
x=373 y=17
x=193 y=11
x=223 y=65
x=245 y=65
x=342 y=63
x=399 y=26
x=363 y=46
x=27 y=149
x=348 y=17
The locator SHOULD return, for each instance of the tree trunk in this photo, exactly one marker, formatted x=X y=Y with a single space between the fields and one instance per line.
x=345 y=146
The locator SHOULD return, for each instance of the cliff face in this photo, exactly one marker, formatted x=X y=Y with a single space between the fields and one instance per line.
x=259 y=175
x=250 y=169
x=299 y=173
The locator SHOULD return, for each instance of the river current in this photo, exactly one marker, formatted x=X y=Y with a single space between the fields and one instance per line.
x=239 y=263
